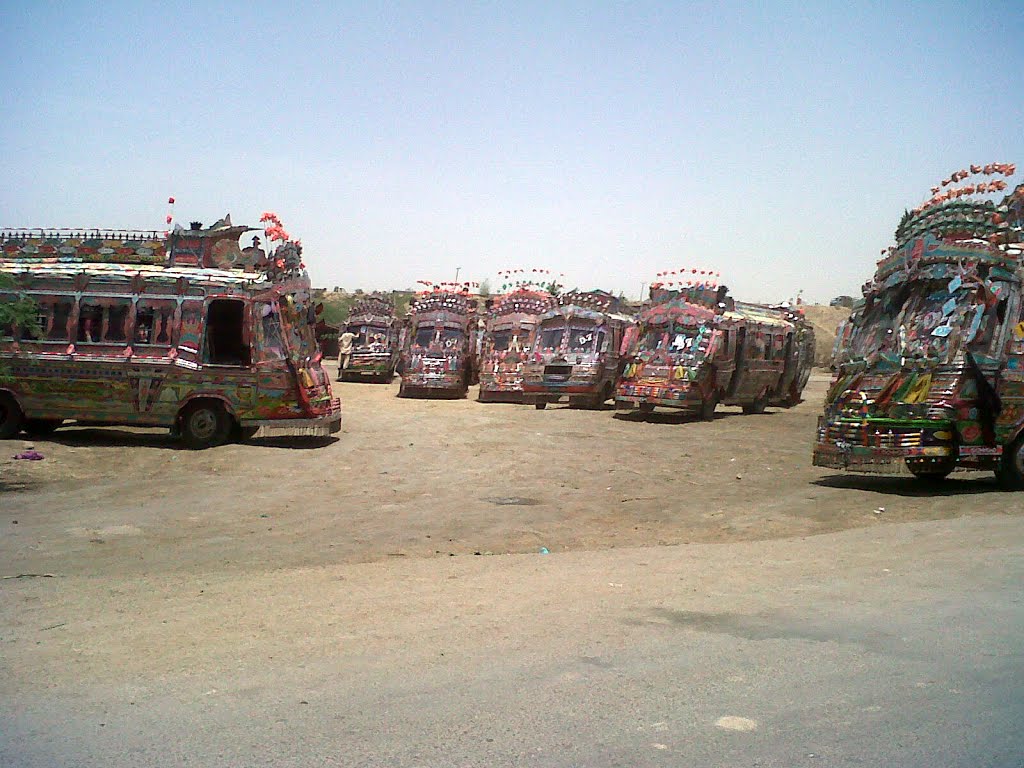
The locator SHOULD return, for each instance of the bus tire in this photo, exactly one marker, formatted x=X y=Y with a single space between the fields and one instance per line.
x=540 y=405
x=1011 y=467
x=10 y=416
x=707 y=407
x=758 y=405
x=597 y=402
x=41 y=427
x=204 y=424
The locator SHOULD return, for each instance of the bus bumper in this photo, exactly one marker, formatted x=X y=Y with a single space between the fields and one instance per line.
x=317 y=426
x=881 y=447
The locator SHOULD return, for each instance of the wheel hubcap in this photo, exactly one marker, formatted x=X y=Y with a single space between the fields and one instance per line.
x=203 y=424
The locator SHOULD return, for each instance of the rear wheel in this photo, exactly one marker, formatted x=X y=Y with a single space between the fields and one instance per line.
x=1011 y=469
x=205 y=425
x=41 y=426
x=10 y=416
x=540 y=405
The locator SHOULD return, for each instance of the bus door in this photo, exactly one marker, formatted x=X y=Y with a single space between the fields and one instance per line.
x=739 y=360
x=791 y=363
x=227 y=352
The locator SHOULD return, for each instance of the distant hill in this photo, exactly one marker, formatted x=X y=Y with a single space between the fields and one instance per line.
x=825 y=321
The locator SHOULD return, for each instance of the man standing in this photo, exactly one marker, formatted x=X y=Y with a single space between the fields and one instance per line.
x=344 y=351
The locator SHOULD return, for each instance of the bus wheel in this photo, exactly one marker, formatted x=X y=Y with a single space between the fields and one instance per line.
x=10 y=416
x=598 y=401
x=930 y=471
x=646 y=408
x=758 y=405
x=204 y=424
x=540 y=405
x=707 y=407
x=41 y=426
x=1011 y=470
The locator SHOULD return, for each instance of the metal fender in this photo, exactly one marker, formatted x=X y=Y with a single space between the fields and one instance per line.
x=14 y=395
x=207 y=396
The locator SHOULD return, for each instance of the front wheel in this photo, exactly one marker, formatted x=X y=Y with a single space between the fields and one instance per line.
x=708 y=406
x=758 y=405
x=205 y=425
x=1011 y=469
x=540 y=405
x=10 y=416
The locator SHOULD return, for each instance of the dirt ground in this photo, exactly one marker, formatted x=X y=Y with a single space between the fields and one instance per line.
x=435 y=478
x=161 y=606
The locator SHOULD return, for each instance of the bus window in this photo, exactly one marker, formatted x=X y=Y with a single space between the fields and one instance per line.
x=224 y=342
x=273 y=337
x=90 y=322
x=117 y=317
x=56 y=319
x=153 y=318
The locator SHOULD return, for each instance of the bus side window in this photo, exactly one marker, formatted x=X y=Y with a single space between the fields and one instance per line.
x=117 y=320
x=90 y=322
x=56 y=320
x=224 y=341
x=153 y=321
x=273 y=343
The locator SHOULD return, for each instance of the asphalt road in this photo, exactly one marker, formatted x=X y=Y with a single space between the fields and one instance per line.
x=891 y=646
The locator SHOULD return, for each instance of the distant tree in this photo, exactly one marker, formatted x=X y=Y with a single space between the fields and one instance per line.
x=554 y=288
x=485 y=288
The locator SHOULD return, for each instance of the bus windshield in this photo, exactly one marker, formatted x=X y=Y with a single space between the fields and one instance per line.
x=675 y=339
x=551 y=338
x=446 y=337
x=369 y=334
x=925 y=320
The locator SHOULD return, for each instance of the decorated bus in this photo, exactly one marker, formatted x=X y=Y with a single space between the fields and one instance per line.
x=696 y=348
x=375 y=347
x=184 y=330
x=929 y=370
x=505 y=346
x=439 y=352
x=576 y=350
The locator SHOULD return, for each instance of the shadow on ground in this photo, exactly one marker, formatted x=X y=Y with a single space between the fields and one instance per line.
x=107 y=437
x=973 y=484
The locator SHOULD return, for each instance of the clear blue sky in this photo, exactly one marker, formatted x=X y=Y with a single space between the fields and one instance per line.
x=776 y=142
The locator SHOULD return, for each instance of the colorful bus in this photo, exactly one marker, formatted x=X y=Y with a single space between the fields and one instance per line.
x=505 y=347
x=438 y=356
x=375 y=348
x=139 y=329
x=929 y=370
x=697 y=348
x=577 y=350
